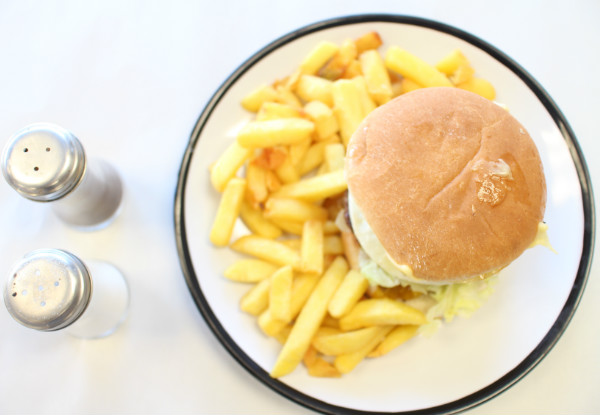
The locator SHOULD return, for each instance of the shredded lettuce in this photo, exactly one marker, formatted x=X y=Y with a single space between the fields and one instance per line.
x=449 y=301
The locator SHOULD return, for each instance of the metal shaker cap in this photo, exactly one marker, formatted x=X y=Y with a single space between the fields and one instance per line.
x=43 y=162
x=48 y=289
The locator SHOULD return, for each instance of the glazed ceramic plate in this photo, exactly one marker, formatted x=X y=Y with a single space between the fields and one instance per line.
x=467 y=361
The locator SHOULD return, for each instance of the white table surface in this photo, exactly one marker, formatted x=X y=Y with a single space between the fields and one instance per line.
x=130 y=79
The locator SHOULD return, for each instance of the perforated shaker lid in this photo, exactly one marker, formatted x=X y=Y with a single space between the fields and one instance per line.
x=48 y=289
x=43 y=162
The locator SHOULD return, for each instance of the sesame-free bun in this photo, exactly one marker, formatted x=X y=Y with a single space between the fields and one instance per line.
x=451 y=184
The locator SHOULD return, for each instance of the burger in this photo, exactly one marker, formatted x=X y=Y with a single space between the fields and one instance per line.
x=445 y=189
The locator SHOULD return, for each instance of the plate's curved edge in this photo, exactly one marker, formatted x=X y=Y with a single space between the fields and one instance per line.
x=483 y=394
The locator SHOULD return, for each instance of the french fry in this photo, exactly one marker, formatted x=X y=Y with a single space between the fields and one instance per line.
x=330 y=228
x=289 y=226
x=257 y=223
x=294 y=243
x=394 y=339
x=334 y=157
x=283 y=334
x=348 y=293
x=336 y=67
x=347 y=107
x=311 y=252
x=269 y=133
x=298 y=151
x=287 y=172
x=318 y=57
x=228 y=164
x=228 y=212
x=333 y=245
x=272 y=181
x=273 y=110
x=451 y=62
x=267 y=249
x=271 y=157
x=312 y=159
x=379 y=312
x=280 y=294
x=408 y=85
x=366 y=101
x=257 y=97
x=412 y=67
x=345 y=363
x=249 y=270
x=256 y=299
x=315 y=188
x=344 y=342
x=302 y=287
x=351 y=249
x=370 y=40
x=309 y=319
x=314 y=88
x=287 y=97
x=462 y=74
x=479 y=86
x=352 y=70
x=256 y=189
x=293 y=210
x=376 y=76
x=326 y=123
x=319 y=367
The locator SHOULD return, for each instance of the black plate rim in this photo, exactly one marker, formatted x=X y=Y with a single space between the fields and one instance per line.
x=462 y=404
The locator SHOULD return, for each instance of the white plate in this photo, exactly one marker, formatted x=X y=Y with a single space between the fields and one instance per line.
x=469 y=360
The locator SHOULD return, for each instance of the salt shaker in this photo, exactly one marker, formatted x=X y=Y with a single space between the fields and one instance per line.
x=52 y=289
x=47 y=163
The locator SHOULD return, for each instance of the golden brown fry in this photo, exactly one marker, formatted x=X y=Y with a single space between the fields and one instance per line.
x=228 y=164
x=348 y=107
x=479 y=86
x=257 y=223
x=379 y=312
x=309 y=319
x=249 y=270
x=315 y=188
x=274 y=110
x=256 y=98
x=302 y=287
x=451 y=62
x=312 y=252
x=271 y=157
x=376 y=76
x=228 y=212
x=366 y=101
x=344 y=342
x=317 y=57
x=326 y=123
x=312 y=159
x=397 y=336
x=314 y=88
x=334 y=156
x=267 y=249
x=293 y=210
x=298 y=150
x=256 y=189
x=280 y=294
x=348 y=293
x=256 y=300
x=289 y=226
x=283 y=131
x=287 y=172
x=333 y=245
x=352 y=70
x=336 y=67
x=345 y=363
x=412 y=67
x=370 y=40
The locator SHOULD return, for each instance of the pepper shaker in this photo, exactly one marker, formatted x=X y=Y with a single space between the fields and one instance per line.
x=52 y=289
x=47 y=163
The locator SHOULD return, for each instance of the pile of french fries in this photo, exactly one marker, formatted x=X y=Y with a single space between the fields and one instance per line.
x=283 y=177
